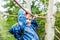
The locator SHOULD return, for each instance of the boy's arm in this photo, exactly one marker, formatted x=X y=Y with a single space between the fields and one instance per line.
x=22 y=21
x=34 y=23
x=15 y=31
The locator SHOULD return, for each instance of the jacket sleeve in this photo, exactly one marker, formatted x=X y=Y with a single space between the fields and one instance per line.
x=12 y=29
x=22 y=21
x=21 y=24
x=15 y=30
x=34 y=24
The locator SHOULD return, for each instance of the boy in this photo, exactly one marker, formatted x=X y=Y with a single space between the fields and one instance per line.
x=25 y=29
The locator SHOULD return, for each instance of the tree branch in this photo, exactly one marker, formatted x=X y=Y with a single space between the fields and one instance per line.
x=57 y=30
x=39 y=16
x=57 y=37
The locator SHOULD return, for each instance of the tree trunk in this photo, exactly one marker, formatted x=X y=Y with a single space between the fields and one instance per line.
x=49 y=28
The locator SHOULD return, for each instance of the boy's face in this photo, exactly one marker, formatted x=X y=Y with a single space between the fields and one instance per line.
x=28 y=19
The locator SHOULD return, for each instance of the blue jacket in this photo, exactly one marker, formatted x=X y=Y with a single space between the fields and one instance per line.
x=28 y=32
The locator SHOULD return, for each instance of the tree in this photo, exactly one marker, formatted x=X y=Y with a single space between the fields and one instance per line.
x=49 y=29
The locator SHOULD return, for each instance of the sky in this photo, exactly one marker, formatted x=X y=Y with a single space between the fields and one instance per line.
x=2 y=3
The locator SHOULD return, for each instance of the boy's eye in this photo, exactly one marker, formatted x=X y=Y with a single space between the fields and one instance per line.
x=28 y=19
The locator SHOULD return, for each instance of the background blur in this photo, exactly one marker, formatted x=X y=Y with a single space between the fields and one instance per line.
x=9 y=11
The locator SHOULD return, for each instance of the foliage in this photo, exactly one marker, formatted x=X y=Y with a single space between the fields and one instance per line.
x=57 y=24
x=58 y=6
x=12 y=8
x=57 y=18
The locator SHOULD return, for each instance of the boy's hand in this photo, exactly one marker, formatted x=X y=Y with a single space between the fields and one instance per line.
x=35 y=16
